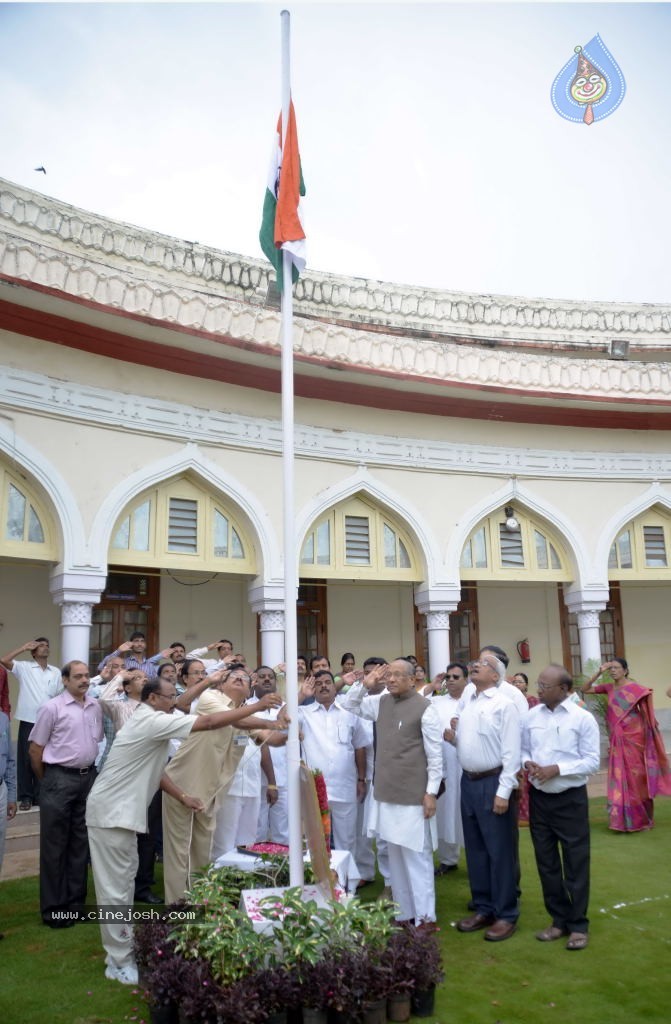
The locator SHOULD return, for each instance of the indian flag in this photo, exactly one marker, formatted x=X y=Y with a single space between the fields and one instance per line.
x=282 y=224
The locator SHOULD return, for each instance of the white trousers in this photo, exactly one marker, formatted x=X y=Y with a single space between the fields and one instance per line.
x=273 y=824
x=364 y=852
x=412 y=883
x=448 y=853
x=114 y=863
x=343 y=825
x=237 y=822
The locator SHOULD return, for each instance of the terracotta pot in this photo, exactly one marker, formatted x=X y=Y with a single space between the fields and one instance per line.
x=398 y=1008
x=422 y=1002
x=375 y=1013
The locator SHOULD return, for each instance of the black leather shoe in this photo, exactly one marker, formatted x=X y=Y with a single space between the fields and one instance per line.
x=147 y=897
x=444 y=869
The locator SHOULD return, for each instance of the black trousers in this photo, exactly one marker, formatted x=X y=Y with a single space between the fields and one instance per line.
x=559 y=827
x=28 y=784
x=147 y=846
x=64 y=847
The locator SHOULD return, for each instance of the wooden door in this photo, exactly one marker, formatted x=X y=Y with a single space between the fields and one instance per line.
x=129 y=602
x=311 y=620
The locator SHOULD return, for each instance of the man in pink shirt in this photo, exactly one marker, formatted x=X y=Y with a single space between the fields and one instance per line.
x=63 y=748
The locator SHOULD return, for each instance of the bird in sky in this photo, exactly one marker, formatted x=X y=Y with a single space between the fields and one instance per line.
x=43 y=169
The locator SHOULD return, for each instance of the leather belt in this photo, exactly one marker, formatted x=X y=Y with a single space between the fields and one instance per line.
x=73 y=771
x=475 y=776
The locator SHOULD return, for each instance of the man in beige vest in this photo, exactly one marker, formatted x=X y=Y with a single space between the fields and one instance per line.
x=204 y=766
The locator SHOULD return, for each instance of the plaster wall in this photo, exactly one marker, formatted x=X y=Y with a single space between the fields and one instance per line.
x=508 y=614
x=370 y=620
x=646 y=613
x=198 y=615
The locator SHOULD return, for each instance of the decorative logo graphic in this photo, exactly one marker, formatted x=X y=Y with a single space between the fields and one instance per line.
x=590 y=86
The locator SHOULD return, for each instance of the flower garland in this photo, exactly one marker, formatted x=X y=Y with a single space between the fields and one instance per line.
x=323 y=801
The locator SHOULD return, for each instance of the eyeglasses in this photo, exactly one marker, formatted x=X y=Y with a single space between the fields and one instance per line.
x=172 y=697
x=452 y=675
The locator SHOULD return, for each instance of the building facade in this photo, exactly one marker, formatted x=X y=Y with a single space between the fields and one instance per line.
x=470 y=468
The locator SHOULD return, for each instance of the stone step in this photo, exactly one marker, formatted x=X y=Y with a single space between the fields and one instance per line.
x=22 y=845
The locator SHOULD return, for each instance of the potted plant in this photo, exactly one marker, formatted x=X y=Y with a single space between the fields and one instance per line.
x=400 y=959
x=298 y=943
x=204 y=1001
x=158 y=969
x=278 y=990
x=428 y=972
x=164 y=986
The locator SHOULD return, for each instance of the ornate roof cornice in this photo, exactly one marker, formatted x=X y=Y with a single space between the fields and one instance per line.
x=44 y=395
x=27 y=217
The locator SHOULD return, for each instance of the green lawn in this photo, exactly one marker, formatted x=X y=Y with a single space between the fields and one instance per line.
x=56 y=977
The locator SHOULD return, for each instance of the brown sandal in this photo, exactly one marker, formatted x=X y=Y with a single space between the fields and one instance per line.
x=577 y=940
x=551 y=934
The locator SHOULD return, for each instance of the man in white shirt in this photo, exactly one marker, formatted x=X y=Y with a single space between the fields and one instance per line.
x=38 y=683
x=334 y=741
x=488 y=747
x=560 y=749
x=224 y=649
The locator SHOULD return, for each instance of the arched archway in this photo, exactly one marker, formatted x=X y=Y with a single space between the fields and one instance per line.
x=362 y=548
x=513 y=554
x=183 y=540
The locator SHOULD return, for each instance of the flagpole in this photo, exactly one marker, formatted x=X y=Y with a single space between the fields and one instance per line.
x=290 y=561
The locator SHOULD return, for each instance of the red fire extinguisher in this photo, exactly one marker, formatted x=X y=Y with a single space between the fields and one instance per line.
x=524 y=651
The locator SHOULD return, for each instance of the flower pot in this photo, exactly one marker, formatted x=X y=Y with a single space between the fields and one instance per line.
x=311 y=1016
x=422 y=1002
x=277 y=1018
x=375 y=1013
x=398 y=1008
x=164 y=1014
x=338 y=1017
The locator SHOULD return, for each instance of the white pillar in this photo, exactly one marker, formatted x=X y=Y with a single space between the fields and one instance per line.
x=267 y=601
x=587 y=602
x=590 y=640
x=438 y=636
x=271 y=625
x=76 y=593
x=436 y=602
x=75 y=630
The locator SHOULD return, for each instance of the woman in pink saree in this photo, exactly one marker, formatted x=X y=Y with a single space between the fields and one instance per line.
x=638 y=768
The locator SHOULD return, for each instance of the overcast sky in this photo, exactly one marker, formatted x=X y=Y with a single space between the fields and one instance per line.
x=431 y=151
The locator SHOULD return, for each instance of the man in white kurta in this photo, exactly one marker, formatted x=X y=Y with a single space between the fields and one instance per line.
x=334 y=741
x=408 y=769
x=448 y=813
